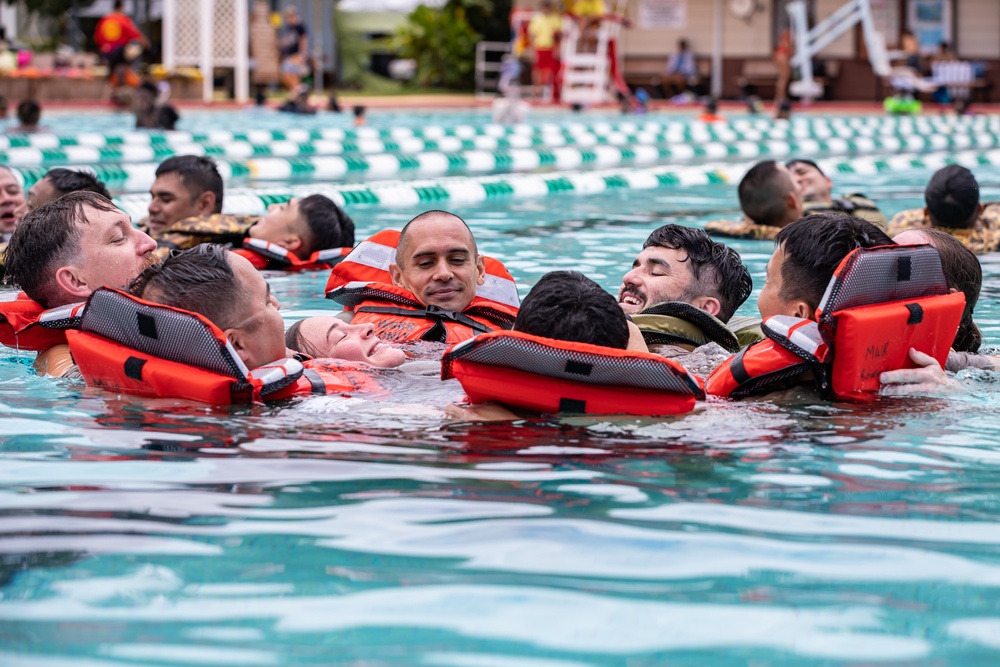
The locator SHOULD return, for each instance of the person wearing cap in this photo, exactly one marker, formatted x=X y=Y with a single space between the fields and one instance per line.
x=816 y=189
x=953 y=206
x=769 y=200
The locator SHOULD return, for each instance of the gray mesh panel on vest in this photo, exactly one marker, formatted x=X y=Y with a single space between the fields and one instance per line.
x=532 y=357
x=874 y=278
x=180 y=337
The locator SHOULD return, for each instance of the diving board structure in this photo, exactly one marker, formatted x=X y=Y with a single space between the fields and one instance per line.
x=809 y=42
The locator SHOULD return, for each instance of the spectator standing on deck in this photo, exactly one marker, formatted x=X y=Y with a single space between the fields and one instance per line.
x=543 y=31
x=113 y=35
x=783 y=64
x=293 y=42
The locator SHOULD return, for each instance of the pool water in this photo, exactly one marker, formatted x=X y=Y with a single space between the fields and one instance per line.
x=371 y=531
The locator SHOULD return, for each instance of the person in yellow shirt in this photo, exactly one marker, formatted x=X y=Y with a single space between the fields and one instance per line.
x=543 y=32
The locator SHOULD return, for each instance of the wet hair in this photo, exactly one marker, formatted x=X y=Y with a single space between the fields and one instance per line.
x=200 y=280
x=815 y=245
x=198 y=174
x=118 y=5
x=717 y=269
x=712 y=106
x=567 y=305
x=148 y=87
x=964 y=273
x=952 y=197
x=763 y=193
x=431 y=214
x=46 y=239
x=329 y=226
x=29 y=112
x=166 y=119
x=294 y=340
x=71 y=180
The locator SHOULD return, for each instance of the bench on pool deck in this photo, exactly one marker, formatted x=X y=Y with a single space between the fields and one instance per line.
x=646 y=71
x=758 y=74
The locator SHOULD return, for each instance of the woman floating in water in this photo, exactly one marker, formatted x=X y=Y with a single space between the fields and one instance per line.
x=329 y=337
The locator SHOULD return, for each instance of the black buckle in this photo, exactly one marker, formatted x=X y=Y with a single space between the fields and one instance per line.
x=442 y=314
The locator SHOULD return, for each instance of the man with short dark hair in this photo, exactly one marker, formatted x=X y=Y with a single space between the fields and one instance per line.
x=226 y=289
x=953 y=206
x=305 y=225
x=567 y=305
x=67 y=248
x=769 y=200
x=58 y=182
x=186 y=186
x=816 y=189
x=684 y=289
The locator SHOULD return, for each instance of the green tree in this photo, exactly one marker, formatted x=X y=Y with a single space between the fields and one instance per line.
x=442 y=42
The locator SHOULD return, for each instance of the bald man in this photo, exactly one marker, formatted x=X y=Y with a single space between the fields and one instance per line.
x=433 y=290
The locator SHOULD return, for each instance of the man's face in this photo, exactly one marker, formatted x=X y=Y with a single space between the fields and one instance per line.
x=771 y=302
x=112 y=251
x=280 y=222
x=11 y=199
x=172 y=201
x=440 y=265
x=657 y=275
x=40 y=193
x=812 y=185
x=260 y=326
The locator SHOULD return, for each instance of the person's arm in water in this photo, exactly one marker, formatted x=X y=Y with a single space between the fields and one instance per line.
x=636 y=343
x=55 y=362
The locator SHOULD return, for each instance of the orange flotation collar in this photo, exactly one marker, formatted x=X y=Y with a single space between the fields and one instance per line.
x=131 y=346
x=546 y=375
x=271 y=256
x=880 y=302
x=361 y=283
x=26 y=325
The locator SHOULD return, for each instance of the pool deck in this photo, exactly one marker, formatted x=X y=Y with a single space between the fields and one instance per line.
x=468 y=101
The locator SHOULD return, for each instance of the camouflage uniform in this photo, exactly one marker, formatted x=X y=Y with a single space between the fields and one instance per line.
x=216 y=228
x=854 y=204
x=742 y=229
x=984 y=237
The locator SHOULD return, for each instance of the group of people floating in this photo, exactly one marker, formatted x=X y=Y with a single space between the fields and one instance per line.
x=176 y=306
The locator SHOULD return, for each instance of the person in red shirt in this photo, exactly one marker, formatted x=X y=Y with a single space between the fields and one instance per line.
x=113 y=35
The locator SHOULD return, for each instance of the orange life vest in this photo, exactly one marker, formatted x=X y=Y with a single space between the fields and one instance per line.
x=26 y=325
x=361 y=283
x=547 y=375
x=271 y=256
x=880 y=302
x=131 y=346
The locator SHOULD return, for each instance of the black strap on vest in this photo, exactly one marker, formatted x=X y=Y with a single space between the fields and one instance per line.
x=713 y=328
x=437 y=333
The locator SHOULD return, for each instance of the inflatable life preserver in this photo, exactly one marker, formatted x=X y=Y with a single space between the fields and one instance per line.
x=679 y=323
x=26 y=325
x=361 y=283
x=880 y=302
x=547 y=375
x=119 y=347
x=270 y=256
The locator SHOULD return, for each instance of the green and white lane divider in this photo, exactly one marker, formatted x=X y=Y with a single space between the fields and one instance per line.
x=436 y=193
x=139 y=177
x=372 y=149
x=372 y=139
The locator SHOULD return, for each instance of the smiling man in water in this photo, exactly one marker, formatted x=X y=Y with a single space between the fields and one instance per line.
x=683 y=290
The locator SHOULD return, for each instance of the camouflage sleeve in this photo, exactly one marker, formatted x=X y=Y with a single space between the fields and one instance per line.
x=741 y=229
x=909 y=219
x=217 y=228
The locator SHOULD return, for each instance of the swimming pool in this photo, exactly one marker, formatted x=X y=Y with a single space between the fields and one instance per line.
x=343 y=531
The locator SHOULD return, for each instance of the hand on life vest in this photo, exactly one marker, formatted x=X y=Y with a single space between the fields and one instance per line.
x=927 y=378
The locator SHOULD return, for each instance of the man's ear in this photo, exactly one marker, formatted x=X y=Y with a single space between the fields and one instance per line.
x=396 y=274
x=792 y=203
x=238 y=339
x=480 y=270
x=70 y=281
x=801 y=309
x=709 y=304
x=291 y=242
x=205 y=203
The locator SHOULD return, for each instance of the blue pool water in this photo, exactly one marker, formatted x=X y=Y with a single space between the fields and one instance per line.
x=372 y=531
